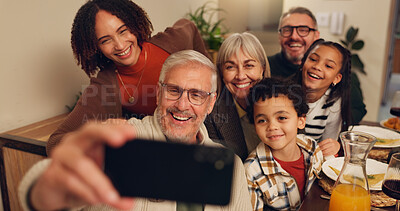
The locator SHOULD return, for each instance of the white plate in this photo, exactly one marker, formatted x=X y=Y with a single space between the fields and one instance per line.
x=383 y=121
x=379 y=133
x=373 y=167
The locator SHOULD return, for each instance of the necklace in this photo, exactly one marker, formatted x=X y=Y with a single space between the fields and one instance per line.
x=131 y=98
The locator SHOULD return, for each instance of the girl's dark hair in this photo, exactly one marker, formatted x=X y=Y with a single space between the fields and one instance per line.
x=275 y=87
x=342 y=89
x=83 y=36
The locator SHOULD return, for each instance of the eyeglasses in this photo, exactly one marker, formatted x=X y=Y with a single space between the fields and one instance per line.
x=195 y=96
x=302 y=31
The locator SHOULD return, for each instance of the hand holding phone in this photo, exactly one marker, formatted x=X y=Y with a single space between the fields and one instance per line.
x=172 y=171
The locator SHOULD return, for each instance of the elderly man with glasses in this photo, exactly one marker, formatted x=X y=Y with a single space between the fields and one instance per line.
x=73 y=177
x=298 y=29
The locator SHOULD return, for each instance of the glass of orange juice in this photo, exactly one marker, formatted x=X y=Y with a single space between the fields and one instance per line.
x=351 y=191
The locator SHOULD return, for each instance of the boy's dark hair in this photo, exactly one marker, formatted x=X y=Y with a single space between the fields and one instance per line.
x=275 y=87
x=83 y=36
x=340 y=90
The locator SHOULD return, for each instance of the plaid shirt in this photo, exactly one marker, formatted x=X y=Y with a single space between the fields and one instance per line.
x=270 y=186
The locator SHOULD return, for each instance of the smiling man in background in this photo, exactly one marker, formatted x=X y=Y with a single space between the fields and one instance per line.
x=297 y=31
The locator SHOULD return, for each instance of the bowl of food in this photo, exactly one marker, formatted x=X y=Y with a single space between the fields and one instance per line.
x=391 y=123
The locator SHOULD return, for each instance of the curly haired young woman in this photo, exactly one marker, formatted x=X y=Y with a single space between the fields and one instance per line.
x=111 y=41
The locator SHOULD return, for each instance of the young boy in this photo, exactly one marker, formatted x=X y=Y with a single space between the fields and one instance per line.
x=281 y=170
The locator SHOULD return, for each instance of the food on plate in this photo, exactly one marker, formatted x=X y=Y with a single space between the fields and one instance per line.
x=379 y=154
x=386 y=137
x=375 y=178
x=385 y=141
x=372 y=179
x=335 y=170
x=393 y=123
x=380 y=199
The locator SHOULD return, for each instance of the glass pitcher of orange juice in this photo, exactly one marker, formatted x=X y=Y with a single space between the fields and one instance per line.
x=351 y=191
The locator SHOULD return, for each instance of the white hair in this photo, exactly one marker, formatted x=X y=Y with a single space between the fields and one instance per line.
x=189 y=57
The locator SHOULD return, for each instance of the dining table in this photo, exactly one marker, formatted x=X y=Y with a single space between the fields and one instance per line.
x=316 y=198
x=313 y=201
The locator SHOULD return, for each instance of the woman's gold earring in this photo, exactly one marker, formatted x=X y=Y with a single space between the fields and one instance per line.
x=333 y=84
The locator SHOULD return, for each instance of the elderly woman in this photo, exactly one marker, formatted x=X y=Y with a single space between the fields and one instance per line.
x=241 y=63
x=113 y=39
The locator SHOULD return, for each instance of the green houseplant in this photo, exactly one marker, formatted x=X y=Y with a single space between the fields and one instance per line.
x=352 y=44
x=70 y=108
x=211 y=31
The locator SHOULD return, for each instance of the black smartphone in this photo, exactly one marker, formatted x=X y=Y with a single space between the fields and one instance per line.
x=171 y=171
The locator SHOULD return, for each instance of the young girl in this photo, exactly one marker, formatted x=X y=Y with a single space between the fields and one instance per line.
x=325 y=76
